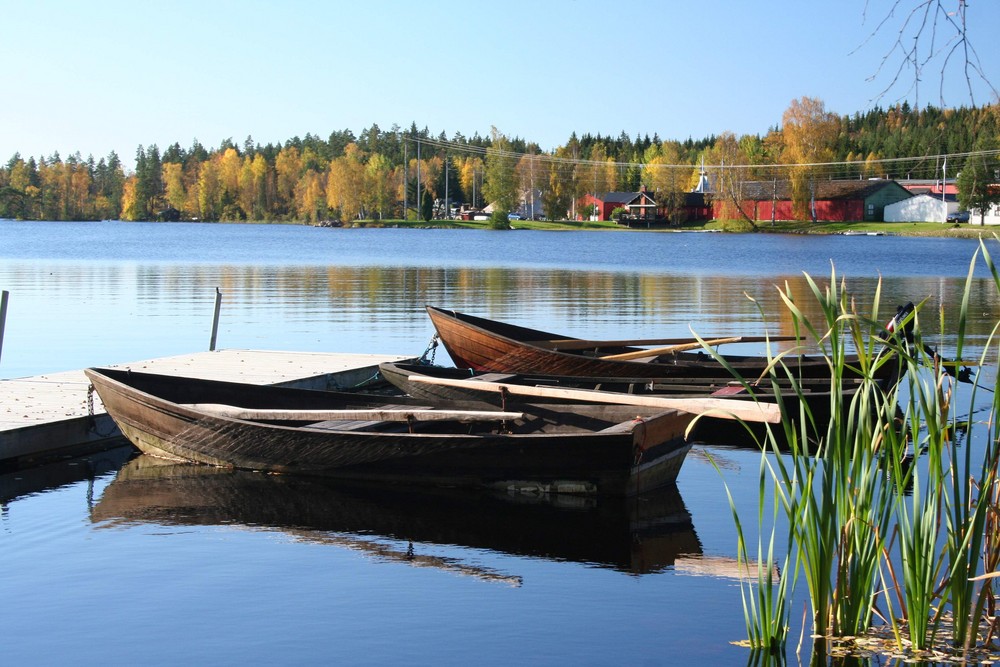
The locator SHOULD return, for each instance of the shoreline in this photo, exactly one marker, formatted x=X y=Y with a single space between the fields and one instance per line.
x=914 y=229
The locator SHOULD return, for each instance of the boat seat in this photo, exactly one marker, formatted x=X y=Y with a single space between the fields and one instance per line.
x=353 y=425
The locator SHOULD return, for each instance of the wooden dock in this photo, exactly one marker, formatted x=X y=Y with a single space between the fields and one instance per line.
x=56 y=414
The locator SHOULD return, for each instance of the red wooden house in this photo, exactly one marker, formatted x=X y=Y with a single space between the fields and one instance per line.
x=637 y=205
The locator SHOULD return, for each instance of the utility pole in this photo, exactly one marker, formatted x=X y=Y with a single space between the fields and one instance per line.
x=532 y=163
x=944 y=204
x=774 y=198
x=447 y=207
x=812 y=197
x=406 y=178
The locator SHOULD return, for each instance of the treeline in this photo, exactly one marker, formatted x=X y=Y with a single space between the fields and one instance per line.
x=371 y=174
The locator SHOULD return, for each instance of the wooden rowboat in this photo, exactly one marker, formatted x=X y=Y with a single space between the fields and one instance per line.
x=762 y=401
x=590 y=449
x=815 y=391
x=482 y=344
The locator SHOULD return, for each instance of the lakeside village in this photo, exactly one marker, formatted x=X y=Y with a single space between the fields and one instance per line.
x=856 y=200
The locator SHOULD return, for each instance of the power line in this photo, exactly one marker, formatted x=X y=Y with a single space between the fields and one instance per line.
x=815 y=166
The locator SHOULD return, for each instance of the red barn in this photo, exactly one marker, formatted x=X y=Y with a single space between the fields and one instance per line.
x=832 y=201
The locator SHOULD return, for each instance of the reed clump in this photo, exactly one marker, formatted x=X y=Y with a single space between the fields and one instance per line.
x=890 y=510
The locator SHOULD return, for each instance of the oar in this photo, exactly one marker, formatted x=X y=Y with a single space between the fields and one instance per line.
x=387 y=414
x=719 y=407
x=582 y=344
x=657 y=351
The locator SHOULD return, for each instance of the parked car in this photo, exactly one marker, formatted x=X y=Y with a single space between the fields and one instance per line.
x=958 y=216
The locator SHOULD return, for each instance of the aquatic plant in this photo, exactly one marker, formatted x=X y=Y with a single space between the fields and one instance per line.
x=889 y=513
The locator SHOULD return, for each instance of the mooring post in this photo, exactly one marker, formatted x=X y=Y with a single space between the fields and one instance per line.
x=3 y=315
x=215 y=320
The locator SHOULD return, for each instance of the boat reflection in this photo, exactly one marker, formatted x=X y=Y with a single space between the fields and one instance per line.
x=639 y=535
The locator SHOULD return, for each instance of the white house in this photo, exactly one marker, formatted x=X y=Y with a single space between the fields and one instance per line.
x=921 y=208
x=992 y=216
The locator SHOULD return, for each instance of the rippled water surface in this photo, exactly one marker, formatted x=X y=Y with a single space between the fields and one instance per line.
x=111 y=559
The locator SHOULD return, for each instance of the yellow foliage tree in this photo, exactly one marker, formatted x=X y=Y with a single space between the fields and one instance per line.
x=230 y=165
x=310 y=200
x=130 y=204
x=209 y=191
x=470 y=172
x=288 y=169
x=173 y=185
x=668 y=181
x=379 y=184
x=809 y=132
x=345 y=183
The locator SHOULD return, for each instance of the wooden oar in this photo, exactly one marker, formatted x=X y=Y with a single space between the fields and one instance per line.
x=728 y=408
x=386 y=414
x=582 y=344
x=657 y=351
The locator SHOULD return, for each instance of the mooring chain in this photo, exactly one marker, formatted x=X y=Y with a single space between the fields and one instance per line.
x=93 y=417
x=431 y=350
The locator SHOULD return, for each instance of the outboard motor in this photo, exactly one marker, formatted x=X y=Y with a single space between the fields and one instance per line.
x=897 y=326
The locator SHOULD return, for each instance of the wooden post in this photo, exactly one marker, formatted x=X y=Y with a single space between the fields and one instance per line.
x=215 y=320
x=3 y=315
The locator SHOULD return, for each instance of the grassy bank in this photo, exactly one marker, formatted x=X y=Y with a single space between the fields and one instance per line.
x=731 y=226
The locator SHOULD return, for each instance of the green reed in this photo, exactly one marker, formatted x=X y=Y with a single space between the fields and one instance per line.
x=972 y=539
x=765 y=601
x=888 y=514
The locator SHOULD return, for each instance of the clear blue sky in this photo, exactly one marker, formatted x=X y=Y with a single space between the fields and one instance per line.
x=111 y=75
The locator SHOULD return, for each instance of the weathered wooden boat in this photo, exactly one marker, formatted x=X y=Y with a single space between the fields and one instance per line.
x=482 y=344
x=639 y=535
x=590 y=449
x=815 y=391
x=764 y=401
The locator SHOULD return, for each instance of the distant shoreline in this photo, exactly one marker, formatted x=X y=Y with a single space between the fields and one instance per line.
x=915 y=229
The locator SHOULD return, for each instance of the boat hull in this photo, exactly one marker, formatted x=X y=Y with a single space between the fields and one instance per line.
x=487 y=345
x=583 y=450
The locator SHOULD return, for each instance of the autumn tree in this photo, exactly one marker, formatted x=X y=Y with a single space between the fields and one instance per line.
x=379 y=185
x=530 y=173
x=733 y=176
x=345 y=184
x=470 y=171
x=809 y=133
x=253 y=186
x=174 y=190
x=288 y=168
x=557 y=196
x=310 y=197
x=230 y=166
x=24 y=188
x=500 y=183
x=662 y=176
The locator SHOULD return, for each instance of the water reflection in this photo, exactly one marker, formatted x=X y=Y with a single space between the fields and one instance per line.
x=71 y=315
x=16 y=483
x=638 y=536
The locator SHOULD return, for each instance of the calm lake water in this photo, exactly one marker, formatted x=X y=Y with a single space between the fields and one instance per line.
x=119 y=559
